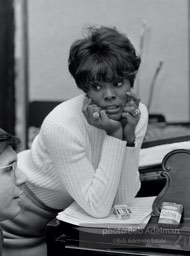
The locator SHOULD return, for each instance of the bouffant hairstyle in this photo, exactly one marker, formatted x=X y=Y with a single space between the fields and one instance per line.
x=8 y=140
x=104 y=55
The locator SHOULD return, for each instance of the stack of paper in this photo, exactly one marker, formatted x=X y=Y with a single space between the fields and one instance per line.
x=141 y=208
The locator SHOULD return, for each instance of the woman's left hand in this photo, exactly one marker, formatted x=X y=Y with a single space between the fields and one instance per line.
x=130 y=117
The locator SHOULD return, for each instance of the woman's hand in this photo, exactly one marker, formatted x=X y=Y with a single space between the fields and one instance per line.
x=98 y=118
x=130 y=117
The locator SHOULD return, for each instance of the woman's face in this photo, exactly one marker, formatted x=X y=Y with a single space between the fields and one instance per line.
x=10 y=180
x=110 y=97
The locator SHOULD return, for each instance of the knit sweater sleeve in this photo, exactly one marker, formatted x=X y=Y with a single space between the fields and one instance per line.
x=130 y=181
x=93 y=189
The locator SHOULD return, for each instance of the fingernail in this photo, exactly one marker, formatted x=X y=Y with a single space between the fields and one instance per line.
x=95 y=115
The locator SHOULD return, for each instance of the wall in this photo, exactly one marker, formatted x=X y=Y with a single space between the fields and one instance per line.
x=55 y=24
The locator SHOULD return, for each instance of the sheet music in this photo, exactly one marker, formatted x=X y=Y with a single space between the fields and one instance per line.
x=154 y=155
x=141 y=208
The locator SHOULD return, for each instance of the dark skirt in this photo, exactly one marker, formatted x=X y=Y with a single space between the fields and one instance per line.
x=25 y=235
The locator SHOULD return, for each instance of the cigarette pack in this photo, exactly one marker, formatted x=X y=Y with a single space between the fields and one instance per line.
x=122 y=211
x=170 y=214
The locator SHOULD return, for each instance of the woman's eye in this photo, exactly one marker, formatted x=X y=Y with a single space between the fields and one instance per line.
x=12 y=167
x=118 y=84
x=9 y=169
x=96 y=87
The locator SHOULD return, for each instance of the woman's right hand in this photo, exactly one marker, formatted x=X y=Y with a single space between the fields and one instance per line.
x=98 y=118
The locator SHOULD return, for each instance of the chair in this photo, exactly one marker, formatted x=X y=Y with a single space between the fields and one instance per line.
x=37 y=111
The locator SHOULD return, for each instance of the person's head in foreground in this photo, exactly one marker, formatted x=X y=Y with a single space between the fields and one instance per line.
x=11 y=178
x=104 y=65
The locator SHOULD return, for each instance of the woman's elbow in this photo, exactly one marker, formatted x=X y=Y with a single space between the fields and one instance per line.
x=99 y=212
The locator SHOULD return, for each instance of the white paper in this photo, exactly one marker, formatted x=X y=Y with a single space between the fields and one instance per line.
x=141 y=208
x=154 y=155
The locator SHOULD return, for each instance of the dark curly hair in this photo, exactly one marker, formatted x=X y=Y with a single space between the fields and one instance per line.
x=104 y=55
x=8 y=140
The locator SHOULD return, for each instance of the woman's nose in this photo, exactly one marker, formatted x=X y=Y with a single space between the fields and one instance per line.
x=109 y=94
x=20 y=177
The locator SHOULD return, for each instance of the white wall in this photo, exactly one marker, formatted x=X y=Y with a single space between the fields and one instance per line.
x=55 y=24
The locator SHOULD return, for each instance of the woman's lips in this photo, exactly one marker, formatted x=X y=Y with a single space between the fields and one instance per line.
x=112 y=109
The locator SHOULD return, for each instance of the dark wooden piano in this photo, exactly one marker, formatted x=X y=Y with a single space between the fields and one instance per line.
x=168 y=181
x=154 y=239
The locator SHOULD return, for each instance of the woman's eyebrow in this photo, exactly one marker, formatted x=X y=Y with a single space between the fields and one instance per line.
x=12 y=161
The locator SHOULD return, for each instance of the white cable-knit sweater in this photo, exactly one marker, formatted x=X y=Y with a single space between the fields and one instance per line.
x=71 y=159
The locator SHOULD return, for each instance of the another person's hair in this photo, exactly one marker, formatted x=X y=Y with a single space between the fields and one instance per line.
x=8 y=140
x=104 y=55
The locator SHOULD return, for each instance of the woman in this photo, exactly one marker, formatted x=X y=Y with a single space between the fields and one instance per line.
x=88 y=147
x=11 y=179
